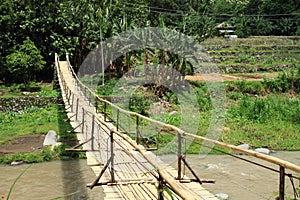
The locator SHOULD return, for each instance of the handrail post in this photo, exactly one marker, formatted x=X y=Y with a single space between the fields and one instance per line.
x=281 y=182
x=179 y=156
x=112 y=171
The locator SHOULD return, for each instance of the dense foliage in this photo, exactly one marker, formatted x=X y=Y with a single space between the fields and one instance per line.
x=74 y=26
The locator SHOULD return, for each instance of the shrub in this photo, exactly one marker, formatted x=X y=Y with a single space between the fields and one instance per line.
x=25 y=61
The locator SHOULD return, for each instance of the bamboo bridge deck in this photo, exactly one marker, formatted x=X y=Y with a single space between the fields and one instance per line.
x=123 y=168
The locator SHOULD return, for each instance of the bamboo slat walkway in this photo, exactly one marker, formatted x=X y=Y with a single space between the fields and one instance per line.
x=123 y=168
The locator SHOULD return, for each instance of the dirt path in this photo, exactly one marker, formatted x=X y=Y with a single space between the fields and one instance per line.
x=232 y=77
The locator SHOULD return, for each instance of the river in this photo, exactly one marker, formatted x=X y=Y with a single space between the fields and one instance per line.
x=50 y=180
x=68 y=179
x=239 y=179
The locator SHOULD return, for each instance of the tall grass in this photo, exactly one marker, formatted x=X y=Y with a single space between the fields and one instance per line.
x=271 y=108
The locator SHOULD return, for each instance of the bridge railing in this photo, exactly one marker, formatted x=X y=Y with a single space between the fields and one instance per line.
x=94 y=98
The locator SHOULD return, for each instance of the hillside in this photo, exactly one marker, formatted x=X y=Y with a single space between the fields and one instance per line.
x=254 y=54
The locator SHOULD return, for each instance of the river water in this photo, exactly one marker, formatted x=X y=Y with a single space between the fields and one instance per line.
x=239 y=179
x=50 y=180
x=68 y=179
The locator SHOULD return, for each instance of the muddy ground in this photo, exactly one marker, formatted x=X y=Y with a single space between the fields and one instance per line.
x=26 y=143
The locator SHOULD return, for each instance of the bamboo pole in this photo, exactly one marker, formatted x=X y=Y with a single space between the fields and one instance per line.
x=261 y=156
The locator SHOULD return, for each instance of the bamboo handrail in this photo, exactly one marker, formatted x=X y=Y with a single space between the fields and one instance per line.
x=268 y=158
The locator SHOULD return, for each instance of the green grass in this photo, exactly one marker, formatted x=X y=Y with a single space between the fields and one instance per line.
x=30 y=120
x=34 y=157
x=261 y=113
x=17 y=90
x=35 y=120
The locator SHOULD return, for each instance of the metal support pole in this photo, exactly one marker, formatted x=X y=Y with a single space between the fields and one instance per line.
x=70 y=94
x=191 y=170
x=281 y=183
x=96 y=105
x=118 y=117
x=82 y=123
x=77 y=101
x=112 y=171
x=104 y=111
x=72 y=103
x=137 y=131
x=179 y=156
x=93 y=127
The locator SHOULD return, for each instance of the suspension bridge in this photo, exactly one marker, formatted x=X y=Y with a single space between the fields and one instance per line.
x=123 y=167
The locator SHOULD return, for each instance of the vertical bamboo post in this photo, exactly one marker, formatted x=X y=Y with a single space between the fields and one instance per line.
x=281 y=182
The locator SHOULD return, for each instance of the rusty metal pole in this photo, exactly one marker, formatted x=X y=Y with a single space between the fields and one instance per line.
x=112 y=171
x=281 y=182
x=179 y=156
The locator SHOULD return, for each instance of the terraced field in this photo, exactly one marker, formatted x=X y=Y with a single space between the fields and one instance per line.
x=254 y=54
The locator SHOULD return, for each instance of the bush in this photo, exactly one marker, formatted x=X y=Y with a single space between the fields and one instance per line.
x=284 y=82
x=139 y=103
x=25 y=61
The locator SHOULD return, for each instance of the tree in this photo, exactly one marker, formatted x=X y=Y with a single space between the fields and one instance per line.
x=25 y=61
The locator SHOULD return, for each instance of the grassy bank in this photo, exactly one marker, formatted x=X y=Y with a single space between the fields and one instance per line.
x=35 y=120
x=260 y=113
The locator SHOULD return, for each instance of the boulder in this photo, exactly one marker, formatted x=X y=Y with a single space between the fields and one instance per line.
x=51 y=138
x=222 y=196
x=244 y=146
x=262 y=150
